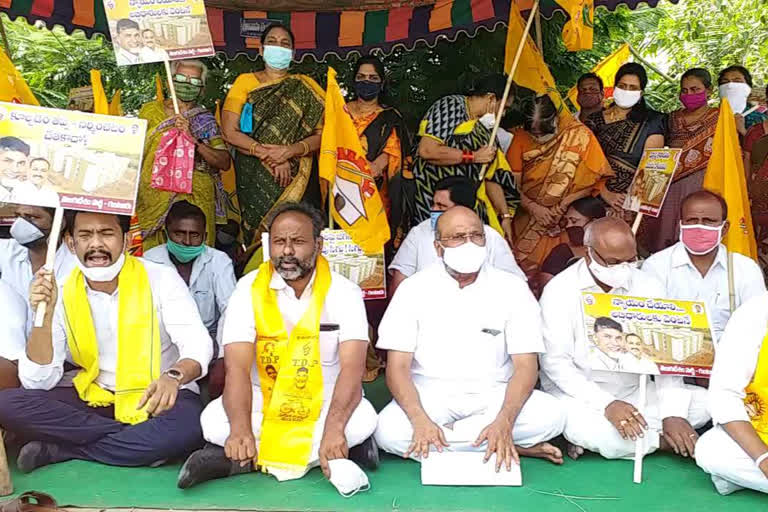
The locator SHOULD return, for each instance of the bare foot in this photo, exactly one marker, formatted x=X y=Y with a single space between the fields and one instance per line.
x=575 y=451
x=542 y=451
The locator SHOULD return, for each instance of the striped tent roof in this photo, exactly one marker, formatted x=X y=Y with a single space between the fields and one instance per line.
x=322 y=32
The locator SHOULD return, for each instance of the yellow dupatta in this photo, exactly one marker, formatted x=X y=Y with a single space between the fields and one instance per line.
x=138 y=342
x=290 y=373
x=756 y=400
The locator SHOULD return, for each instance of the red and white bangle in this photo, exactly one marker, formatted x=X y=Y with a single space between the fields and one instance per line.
x=467 y=157
x=760 y=459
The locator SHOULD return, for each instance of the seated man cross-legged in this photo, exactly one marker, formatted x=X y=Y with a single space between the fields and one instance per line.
x=602 y=403
x=133 y=332
x=295 y=339
x=463 y=338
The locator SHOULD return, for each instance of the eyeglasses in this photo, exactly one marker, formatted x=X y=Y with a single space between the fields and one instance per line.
x=461 y=239
x=184 y=79
x=593 y=252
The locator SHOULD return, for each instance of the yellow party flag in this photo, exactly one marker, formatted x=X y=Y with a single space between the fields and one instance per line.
x=532 y=72
x=13 y=87
x=356 y=204
x=578 y=31
x=725 y=176
x=100 y=103
x=606 y=69
x=115 y=106
x=159 y=96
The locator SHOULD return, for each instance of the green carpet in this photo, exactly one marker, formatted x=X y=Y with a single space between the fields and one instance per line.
x=671 y=484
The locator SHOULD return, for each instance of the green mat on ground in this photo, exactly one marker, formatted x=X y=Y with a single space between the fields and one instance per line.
x=590 y=484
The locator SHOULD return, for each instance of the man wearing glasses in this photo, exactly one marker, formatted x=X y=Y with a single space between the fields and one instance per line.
x=602 y=405
x=463 y=339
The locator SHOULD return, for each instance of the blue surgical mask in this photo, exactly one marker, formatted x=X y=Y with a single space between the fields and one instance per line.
x=433 y=216
x=278 y=57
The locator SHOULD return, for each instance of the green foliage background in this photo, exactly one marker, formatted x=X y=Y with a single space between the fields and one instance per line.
x=707 y=33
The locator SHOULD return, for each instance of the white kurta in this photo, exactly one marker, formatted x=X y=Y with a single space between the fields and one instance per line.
x=462 y=340
x=568 y=375
x=735 y=364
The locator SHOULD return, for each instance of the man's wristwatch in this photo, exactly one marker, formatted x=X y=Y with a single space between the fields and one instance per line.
x=503 y=216
x=174 y=374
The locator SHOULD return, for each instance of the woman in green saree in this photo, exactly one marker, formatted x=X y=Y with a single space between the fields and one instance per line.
x=274 y=120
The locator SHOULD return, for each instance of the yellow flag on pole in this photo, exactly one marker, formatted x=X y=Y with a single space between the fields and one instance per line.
x=13 y=87
x=356 y=204
x=159 y=96
x=532 y=72
x=100 y=103
x=606 y=69
x=578 y=31
x=725 y=176
x=115 y=106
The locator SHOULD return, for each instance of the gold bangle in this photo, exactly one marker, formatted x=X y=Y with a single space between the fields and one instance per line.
x=305 y=148
x=252 y=149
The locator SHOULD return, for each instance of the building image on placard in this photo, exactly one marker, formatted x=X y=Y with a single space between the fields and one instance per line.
x=348 y=259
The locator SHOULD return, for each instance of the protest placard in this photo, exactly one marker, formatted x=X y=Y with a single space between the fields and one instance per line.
x=652 y=180
x=648 y=336
x=348 y=259
x=155 y=31
x=70 y=159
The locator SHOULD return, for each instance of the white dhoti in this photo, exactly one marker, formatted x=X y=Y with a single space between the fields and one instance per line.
x=361 y=425
x=590 y=429
x=730 y=466
x=464 y=415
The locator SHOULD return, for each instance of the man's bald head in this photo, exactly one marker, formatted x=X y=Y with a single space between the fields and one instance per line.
x=612 y=239
x=456 y=221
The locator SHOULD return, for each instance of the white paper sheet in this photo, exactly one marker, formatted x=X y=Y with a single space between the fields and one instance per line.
x=467 y=468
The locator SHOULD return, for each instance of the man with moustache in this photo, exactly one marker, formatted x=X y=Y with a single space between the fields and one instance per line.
x=295 y=399
x=133 y=333
x=13 y=165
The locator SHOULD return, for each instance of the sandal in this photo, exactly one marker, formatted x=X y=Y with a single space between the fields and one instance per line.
x=30 y=501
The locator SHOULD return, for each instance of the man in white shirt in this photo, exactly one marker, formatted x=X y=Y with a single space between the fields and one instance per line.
x=149 y=50
x=36 y=190
x=24 y=254
x=271 y=389
x=602 y=406
x=13 y=335
x=132 y=331
x=13 y=165
x=127 y=42
x=696 y=267
x=418 y=252
x=463 y=338
x=735 y=451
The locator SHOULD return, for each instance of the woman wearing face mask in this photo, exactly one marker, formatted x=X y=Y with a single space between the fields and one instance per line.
x=452 y=141
x=559 y=161
x=275 y=146
x=691 y=128
x=381 y=128
x=625 y=130
x=579 y=214
x=735 y=83
x=211 y=156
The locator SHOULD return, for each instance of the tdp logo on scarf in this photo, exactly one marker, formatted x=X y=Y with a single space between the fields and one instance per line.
x=756 y=399
x=356 y=204
x=579 y=30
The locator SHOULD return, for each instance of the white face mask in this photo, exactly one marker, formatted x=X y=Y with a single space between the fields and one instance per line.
x=347 y=477
x=626 y=99
x=102 y=274
x=736 y=93
x=464 y=259
x=25 y=232
x=615 y=276
x=488 y=120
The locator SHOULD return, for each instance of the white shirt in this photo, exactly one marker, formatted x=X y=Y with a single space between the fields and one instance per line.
x=27 y=193
x=148 y=54
x=673 y=267
x=343 y=318
x=182 y=333
x=126 y=58
x=211 y=284
x=16 y=268
x=566 y=367
x=736 y=361
x=418 y=252
x=462 y=338
x=13 y=328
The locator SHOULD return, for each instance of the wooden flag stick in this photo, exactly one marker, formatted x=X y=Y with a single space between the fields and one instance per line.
x=636 y=224
x=640 y=443
x=50 y=259
x=171 y=88
x=6 y=485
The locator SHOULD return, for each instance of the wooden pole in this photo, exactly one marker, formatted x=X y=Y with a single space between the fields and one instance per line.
x=6 y=485
x=636 y=224
x=539 y=36
x=171 y=88
x=640 y=443
x=651 y=66
x=50 y=259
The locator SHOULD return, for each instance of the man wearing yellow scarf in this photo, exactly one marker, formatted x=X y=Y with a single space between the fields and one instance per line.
x=735 y=451
x=295 y=338
x=132 y=331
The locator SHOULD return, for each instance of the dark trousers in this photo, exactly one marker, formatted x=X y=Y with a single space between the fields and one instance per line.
x=59 y=416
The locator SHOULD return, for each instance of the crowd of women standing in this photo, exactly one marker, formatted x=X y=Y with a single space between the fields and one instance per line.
x=558 y=167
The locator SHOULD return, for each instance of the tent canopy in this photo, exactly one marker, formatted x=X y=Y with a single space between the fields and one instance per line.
x=322 y=28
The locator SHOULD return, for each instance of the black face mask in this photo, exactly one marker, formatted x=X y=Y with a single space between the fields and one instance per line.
x=575 y=235
x=366 y=90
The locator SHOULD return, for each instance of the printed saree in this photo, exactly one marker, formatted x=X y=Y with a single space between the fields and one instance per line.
x=153 y=205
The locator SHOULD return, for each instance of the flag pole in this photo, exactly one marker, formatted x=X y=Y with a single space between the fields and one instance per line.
x=50 y=259
x=539 y=37
x=171 y=88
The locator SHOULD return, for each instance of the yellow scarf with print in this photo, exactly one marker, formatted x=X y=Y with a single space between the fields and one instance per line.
x=756 y=400
x=138 y=342
x=290 y=373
